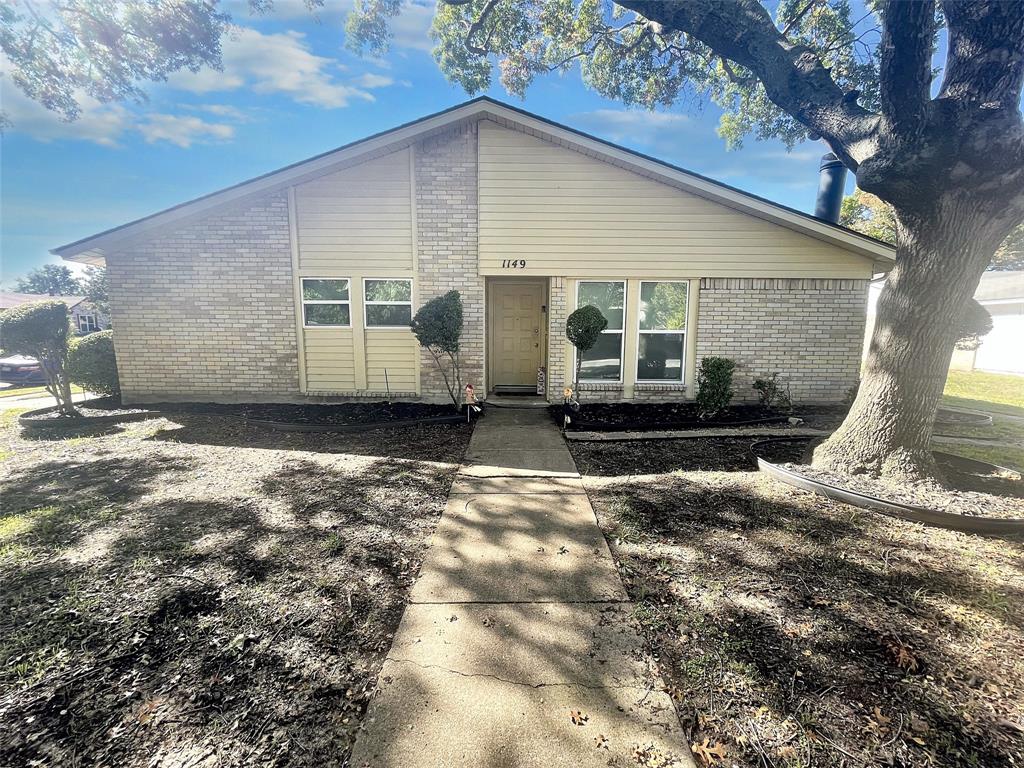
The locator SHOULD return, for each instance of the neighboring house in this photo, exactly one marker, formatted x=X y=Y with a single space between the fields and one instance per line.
x=85 y=318
x=1002 y=349
x=299 y=285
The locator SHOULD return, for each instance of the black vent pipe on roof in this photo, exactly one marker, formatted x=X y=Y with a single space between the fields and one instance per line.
x=831 y=185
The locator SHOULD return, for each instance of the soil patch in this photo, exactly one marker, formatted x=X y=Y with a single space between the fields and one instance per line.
x=335 y=413
x=622 y=416
x=662 y=456
x=195 y=591
x=796 y=631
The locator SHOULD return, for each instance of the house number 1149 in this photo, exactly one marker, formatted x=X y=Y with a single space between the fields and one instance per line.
x=513 y=263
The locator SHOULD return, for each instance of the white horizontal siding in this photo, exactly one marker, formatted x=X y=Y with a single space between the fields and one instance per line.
x=572 y=215
x=394 y=351
x=329 y=359
x=359 y=218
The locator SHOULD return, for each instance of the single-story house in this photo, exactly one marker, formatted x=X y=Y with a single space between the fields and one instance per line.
x=85 y=316
x=1001 y=349
x=299 y=285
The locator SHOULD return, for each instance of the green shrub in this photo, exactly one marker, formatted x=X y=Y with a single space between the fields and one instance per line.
x=583 y=328
x=773 y=393
x=438 y=328
x=975 y=322
x=91 y=363
x=41 y=329
x=714 y=386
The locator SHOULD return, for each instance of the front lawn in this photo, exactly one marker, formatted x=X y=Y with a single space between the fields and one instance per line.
x=997 y=392
x=197 y=591
x=796 y=631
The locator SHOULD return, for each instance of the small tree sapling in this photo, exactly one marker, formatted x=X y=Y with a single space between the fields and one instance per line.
x=438 y=328
x=583 y=328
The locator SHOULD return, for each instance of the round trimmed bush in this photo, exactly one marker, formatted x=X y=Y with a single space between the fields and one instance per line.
x=92 y=365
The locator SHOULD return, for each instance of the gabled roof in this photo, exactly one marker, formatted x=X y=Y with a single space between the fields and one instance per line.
x=10 y=299
x=93 y=248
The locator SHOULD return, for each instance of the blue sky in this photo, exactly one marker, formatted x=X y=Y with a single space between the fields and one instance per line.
x=289 y=90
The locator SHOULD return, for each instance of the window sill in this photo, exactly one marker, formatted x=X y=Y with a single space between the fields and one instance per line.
x=600 y=386
x=654 y=386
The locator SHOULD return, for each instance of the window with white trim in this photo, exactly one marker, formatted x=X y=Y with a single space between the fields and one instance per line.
x=661 y=346
x=88 y=323
x=387 y=303
x=603 y=361
x=325 y=302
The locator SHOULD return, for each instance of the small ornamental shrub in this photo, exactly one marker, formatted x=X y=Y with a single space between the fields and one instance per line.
x=583 y=328
x=773 y=393
x=975 y=322
x=438 y=328
x=41 y=329
x=714 y=386
x=91 y=363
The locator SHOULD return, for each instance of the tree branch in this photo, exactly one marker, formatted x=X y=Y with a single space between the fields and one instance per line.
x=905 y=69
x=985 y=63
x=476 y=26
x=793 y=76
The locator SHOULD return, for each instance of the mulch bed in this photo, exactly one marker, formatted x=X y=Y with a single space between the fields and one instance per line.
x=621 y=416
x=337 y=414
x=797 y=631
x=662 y=456
x=193 y=590
x=976 y=494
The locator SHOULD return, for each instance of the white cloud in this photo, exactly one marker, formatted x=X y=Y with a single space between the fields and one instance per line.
x=183 y=130
x=633 y=127
x=412 y=27
x=99 y=123
x=371 y=80
x=221 y=110
x=280 y=63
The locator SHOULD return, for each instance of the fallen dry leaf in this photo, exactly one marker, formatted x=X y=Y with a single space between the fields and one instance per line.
x=710 y=754
x=578 y=718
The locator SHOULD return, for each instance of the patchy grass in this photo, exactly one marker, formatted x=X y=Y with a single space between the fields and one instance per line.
x=200 y=592
x=39 y=391
x=1004 y=456
x=996 y=392
x=1002 y=428
x=796 y=631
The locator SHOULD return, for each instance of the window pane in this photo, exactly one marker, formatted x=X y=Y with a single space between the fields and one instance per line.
x=660 y=357
x=388 y=314
x=603 y=361
x=325 y=290
x=663 y=306
x=388 y=290
x=326 y=314
x=607 y=297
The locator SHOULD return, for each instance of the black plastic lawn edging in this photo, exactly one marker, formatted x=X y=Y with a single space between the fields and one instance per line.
x=299 y=426
x=913 y=513
x=951 y=417
x=30 y=419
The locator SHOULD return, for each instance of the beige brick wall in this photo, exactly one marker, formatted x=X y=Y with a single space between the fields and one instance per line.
x=809 y=330
x=446 y=239
x=207 y=312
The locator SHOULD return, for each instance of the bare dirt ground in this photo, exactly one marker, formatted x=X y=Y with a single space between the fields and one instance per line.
x=796 y=631
x=199 y=592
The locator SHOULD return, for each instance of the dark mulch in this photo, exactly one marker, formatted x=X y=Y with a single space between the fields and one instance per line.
x=621 y=416
x=338 y=413
x=197 y=591
x=796 y=631
x=103 y=406
x=643 y=457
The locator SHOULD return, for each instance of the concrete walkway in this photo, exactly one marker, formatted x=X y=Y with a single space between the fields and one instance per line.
x=517 y=647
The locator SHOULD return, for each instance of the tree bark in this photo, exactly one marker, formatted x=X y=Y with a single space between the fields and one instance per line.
x=941 y=254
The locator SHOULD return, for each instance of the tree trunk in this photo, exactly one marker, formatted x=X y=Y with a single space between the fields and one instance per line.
x=942 y=250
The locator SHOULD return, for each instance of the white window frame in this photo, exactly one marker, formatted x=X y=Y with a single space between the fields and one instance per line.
x=684 y=333
x=348 y=301
x=621 y=333
x=367 y=304
x=90 y=319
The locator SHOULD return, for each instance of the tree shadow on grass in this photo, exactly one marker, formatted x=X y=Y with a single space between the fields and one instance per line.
x=239 y=630
x=805 y=629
